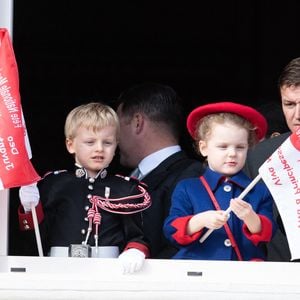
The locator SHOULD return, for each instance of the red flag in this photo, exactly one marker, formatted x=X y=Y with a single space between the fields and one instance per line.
x=15 y=165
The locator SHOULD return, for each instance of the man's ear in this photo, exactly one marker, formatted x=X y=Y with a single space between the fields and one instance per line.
x=69 y=145
x=138 y=122
x=202 y=148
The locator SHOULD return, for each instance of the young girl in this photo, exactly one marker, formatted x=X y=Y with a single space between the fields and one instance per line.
x=86 y=207
x=223 y=132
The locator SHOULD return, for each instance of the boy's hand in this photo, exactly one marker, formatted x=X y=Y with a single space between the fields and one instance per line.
x=131 y=260
x=29 y=194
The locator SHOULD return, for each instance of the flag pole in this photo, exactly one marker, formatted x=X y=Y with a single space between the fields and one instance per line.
x=228 y=210
x=36 y=229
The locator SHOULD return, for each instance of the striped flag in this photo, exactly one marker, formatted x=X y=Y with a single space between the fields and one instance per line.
x=281 y=174
x=15 y=165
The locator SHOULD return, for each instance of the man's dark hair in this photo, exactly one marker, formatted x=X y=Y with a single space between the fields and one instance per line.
x=160 y=103
x=290 y=74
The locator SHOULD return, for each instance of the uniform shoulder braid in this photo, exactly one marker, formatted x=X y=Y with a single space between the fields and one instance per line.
x=54 y=173
x=121 y=195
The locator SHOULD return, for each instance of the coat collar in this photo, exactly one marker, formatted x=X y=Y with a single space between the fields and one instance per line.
x=215 y=179
x=81 y=172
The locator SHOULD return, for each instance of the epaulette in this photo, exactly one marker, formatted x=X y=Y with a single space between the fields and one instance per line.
x=54 y=173
x=133 y=179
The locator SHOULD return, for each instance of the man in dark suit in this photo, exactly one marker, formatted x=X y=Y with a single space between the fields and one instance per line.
x=289 y=87
x=151 y=121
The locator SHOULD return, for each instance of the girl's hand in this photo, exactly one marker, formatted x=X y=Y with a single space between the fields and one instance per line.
x=211 y=219
x=214 y=219
x=241 y=208
x=245 y=212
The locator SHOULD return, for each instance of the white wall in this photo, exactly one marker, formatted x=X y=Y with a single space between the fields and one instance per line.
x=50 y=278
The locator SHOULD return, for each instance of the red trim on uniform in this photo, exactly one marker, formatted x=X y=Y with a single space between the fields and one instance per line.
x=180 y=236
x=25 y=219
x=138 y=246
x=264 y=235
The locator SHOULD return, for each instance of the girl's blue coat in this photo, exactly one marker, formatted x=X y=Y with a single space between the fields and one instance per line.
x=190 y=197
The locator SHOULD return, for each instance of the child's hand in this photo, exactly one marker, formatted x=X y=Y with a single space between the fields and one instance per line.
x=29 y=194
x=241 y=208
x=211 y=219
x=245 y=212
x=131 y=260
x=214 y=219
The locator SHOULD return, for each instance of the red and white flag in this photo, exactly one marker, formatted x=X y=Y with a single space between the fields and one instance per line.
x=15 y=165
x=281 y=174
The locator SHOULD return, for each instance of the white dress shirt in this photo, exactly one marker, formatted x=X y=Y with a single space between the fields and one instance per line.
x=151 y=161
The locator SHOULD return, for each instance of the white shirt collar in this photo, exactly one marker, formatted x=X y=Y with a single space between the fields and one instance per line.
x=151 y=161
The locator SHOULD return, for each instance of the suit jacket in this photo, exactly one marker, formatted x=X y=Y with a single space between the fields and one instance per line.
x=258 y=155
x=161 y=182
x=277 y=249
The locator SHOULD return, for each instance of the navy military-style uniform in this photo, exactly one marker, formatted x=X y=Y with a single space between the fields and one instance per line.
x=190 y=197
x=66 y=201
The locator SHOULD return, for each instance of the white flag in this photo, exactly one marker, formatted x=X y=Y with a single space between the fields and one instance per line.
x=281 y=174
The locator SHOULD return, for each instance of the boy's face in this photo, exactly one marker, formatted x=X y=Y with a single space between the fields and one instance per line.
x=225 y=148
x=93 y=150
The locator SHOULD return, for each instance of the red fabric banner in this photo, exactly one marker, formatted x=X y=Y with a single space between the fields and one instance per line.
x=15 y=165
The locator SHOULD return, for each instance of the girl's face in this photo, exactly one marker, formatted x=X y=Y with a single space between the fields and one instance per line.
x=93 y=150
x=225 y=148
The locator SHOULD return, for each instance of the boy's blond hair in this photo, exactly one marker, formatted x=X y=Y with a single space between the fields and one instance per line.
x=94 y=115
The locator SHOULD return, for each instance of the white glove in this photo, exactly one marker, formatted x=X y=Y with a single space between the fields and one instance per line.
x=29 y=194
x=131 y=260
